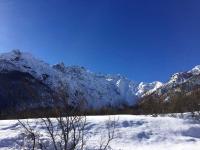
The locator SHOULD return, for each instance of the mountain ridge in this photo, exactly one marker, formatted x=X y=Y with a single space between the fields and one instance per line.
x=98 y=90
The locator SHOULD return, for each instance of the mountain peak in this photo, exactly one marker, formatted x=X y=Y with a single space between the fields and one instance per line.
x=60 y=66
x=195 y=70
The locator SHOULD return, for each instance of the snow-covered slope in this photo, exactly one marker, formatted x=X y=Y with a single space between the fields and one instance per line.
x=132 y=132
x=97 y=90
x=25 y=62
x=148 y=88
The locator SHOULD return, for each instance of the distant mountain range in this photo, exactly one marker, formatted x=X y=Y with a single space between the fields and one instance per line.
x=182 y=83
x=27 y=82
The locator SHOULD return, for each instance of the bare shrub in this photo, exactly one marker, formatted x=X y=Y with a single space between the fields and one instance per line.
x=111 y=134
x=65 y=131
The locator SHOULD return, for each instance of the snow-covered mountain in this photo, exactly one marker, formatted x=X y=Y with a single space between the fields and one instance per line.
x=179 y=83
x=98 y=90
x=26 y=79
x=182 y=77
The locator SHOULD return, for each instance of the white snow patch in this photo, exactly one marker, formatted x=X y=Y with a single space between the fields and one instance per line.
x=132 y=132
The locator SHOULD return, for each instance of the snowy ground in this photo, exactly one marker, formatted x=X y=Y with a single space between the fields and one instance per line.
x=132 y=132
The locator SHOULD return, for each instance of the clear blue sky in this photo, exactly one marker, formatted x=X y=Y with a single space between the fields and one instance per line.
x=142 y=40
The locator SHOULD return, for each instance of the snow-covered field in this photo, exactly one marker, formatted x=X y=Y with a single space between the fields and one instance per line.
x=132 y=133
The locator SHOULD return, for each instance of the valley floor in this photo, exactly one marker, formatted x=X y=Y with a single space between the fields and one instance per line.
x=132 y=133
